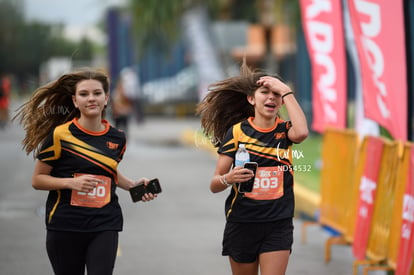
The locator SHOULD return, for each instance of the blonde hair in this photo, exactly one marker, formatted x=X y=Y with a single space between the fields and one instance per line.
x=52 y=105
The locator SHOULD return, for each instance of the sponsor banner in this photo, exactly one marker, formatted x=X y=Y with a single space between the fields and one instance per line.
x=406 y=247
x=324 y=34
x=367 y=192
x=363 y=125
x=378 y=27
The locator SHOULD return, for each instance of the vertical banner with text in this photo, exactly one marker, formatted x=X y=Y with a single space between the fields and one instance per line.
x=324 y=34
x=367 y=191
x=406 y=247
x=379 y=34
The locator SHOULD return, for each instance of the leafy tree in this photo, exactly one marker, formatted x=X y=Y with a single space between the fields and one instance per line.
x=158 y=20
x=84 y=50
x=10 y=24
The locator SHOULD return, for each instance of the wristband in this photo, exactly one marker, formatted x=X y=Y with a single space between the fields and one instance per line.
x=289 y=93
x=224 y=181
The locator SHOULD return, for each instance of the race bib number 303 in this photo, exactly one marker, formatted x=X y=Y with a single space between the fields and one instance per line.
x=98 y=198
x=268 y=184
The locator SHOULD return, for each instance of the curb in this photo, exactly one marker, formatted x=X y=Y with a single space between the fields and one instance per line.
x=307 y=201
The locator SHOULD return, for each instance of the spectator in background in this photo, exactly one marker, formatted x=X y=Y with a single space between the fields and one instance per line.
x=132 y=90
x=122 y=107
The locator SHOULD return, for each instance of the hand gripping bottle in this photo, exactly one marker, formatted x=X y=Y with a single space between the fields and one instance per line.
x=242 y=155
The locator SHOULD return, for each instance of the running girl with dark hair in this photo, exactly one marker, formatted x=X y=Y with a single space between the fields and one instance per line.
x=244 y=109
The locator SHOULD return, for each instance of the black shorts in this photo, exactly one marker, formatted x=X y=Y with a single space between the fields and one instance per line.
x=244 y=242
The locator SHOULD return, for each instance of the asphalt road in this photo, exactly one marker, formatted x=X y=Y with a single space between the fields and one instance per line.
x=180 y=232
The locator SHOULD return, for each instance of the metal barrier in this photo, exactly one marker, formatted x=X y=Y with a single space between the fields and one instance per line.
x=377 y=249
x=345 y=164
x=352 y=211
x=338 y=157
x=339 y=153
x=396 y=222
x=385 y=232
x=347 y=236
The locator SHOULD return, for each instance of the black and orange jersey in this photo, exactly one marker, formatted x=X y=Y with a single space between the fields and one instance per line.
x=272 y=197
x=71 y=150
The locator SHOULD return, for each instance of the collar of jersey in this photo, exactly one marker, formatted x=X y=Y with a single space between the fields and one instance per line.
x=104 y=121
x=263 y=130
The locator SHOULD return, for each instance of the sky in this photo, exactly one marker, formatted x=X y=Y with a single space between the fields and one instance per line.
x=80 y=17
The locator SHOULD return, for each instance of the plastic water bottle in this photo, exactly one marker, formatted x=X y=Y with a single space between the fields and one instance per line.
x=242 y=155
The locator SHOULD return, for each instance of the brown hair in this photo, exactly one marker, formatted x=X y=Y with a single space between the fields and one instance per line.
x=226 y=103
x=52 y=105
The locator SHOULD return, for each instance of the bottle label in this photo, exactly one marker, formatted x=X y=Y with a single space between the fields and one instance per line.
x=240 y=162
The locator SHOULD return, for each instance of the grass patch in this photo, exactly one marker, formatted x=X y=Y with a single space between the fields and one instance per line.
x=307 y=161
x=307 y=158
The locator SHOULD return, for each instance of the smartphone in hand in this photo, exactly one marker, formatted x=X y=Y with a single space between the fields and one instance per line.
x=140 y=190
x=245 y=187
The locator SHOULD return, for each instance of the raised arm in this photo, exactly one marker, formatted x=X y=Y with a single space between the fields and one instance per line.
x=299 y=130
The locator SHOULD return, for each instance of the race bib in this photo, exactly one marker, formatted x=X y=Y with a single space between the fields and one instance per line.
x=97 y=198
x=268 y=184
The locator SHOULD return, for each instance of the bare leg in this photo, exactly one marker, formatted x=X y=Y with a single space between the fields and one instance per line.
x=243 y=268
x=274 y=263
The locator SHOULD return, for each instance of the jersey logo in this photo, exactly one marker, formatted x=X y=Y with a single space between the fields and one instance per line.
x=111 y=145
x=280 y=135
